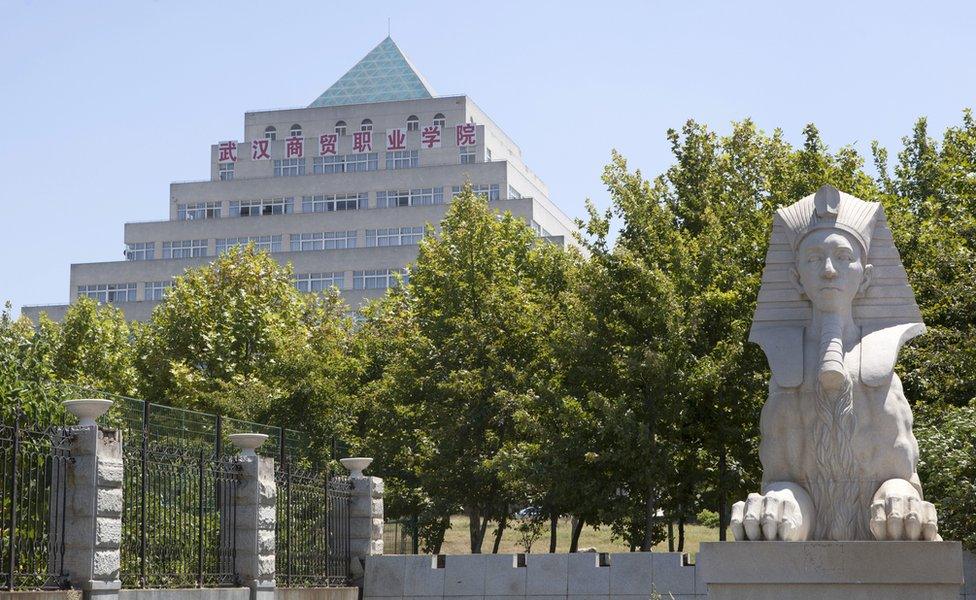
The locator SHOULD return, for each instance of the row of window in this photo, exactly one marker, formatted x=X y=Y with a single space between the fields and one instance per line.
x=413 y=124
x=123 y=292
x=374 y=279
x=298 y=242
x=331 y=202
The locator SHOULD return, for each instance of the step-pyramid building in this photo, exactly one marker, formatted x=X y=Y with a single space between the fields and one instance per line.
x=340 y=189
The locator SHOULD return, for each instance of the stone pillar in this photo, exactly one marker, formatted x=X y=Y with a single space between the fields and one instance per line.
x=365 y=514
x=255 y=526
x=93 y=512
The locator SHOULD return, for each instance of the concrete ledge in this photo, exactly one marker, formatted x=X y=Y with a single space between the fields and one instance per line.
x=186 y=594
x=42 y=595
x=844 y=570
x=333 y=593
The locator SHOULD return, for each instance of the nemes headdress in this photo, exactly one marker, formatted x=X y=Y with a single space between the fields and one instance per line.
x=886 y=312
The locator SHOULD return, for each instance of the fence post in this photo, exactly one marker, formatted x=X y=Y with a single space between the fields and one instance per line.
x=365 y=514
x=254 y=538
x=93 y=516
x=14 y=501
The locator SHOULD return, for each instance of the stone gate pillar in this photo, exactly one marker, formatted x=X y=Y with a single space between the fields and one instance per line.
x=255 y=525
x=365 y=514
x=93 y=504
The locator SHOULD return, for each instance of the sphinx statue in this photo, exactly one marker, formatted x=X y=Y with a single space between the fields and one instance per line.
x=838 y=454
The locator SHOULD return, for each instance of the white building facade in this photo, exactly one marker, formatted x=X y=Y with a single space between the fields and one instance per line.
x=341 y=189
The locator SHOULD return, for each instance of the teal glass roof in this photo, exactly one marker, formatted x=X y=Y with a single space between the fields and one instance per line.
x=383 y=75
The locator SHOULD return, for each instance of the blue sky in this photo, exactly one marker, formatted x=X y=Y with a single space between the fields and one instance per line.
x=106 y=103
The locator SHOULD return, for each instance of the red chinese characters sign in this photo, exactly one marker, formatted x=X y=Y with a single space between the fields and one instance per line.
x=295 y=147
x=260 y=149
x=430 y=137
x=362 y=141
x=328 y=144
x=395 y=139
x=227 y=152
x=466 y=134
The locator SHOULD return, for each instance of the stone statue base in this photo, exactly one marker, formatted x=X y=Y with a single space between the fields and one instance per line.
x=829 y=570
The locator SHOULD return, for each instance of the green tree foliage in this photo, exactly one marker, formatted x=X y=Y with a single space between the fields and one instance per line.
x=237 y=338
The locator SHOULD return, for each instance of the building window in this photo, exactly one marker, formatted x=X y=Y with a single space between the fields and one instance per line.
x=366 y=125
x=402 y=159
x=289 y=167
x=109 y=292
x=539 y=229
x=487 y=155
x=255 y=208
x=185 y=249
x=198 y=210
x=334 y=202
x=328 y=240
x=413 y=123
x=319 y=282
x=362 y=162
x=155 y=290
x=416 y=197
x=466 y=155
x=295 y=131
x=482 y=190
x=340 y=127
x=439 y=120
x=270 y=133
x=394 y=236
x=226 y=171
x=329 y=164
x=378 y=279
x=140 y=251
x=513 y=194
x=266 y=243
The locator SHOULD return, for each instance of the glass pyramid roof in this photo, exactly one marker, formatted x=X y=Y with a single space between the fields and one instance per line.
x=383 y=75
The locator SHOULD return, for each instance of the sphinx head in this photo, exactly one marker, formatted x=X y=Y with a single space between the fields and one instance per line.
x=831 y=269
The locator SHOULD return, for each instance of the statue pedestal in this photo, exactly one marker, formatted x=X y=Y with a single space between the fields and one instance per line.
x=828 y=570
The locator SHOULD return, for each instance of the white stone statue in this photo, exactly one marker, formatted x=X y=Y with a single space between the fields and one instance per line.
x=837 y=448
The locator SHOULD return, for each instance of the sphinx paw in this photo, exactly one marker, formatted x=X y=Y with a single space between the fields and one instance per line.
x=772 y=516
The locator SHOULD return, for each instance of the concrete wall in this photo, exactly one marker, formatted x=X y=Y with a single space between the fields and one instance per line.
x=582 y=576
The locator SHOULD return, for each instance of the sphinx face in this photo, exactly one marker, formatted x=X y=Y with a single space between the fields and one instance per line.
x=831 y=269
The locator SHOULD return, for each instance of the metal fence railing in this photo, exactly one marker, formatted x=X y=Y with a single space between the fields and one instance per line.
x=33 y=468
x=400 y=536
x=312 y=536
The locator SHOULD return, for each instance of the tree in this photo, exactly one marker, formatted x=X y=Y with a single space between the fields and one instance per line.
x=237 y=338
x=477 y=297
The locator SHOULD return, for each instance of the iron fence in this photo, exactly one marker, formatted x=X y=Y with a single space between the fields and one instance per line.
x=33 y=469
x=400 y=536
x=312 y=535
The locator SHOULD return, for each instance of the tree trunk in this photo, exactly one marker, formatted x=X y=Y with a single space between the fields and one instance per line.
x=553 y=526
x=481 y=534
x=474 y=529
x=502 y=523
x=649 y=509
x=670 y=535
x=577 y=530
x=722 y=498
x=438 y=540
x=681 y=533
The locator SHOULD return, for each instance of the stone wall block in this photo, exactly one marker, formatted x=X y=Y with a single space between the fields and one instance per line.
x=108 y=532
x=105 y=565
x=670 y=574
x=266 y=541
x=385 y=576
x=630 y=574
x=360 y=527
x=503 y=576
x=464 y=574
x=109 y=502
x=110 y=473
x=422 y=578
x=586 y=576
x=547 y=574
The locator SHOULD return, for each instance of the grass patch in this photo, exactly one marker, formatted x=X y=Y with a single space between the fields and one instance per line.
x=456 y=538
